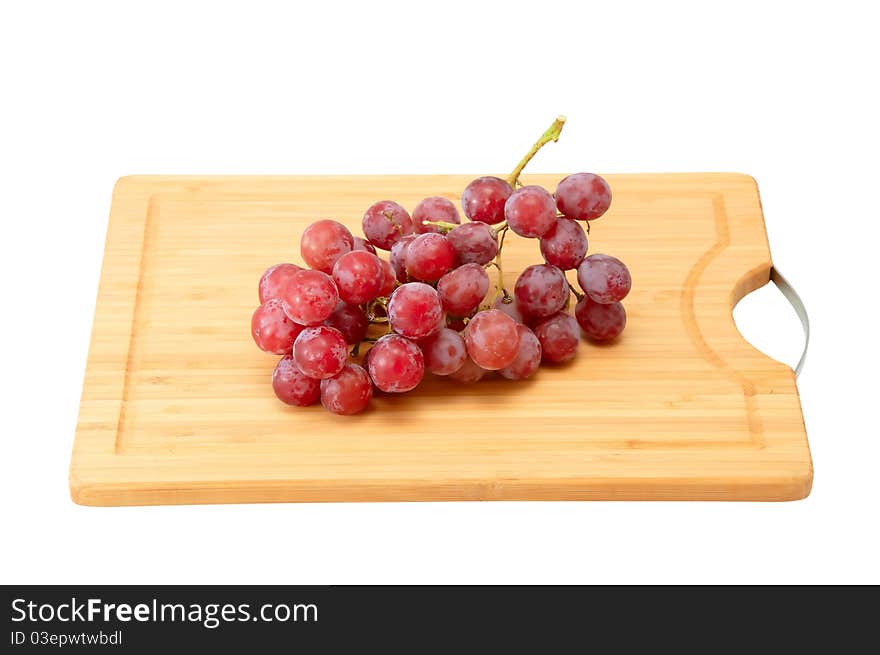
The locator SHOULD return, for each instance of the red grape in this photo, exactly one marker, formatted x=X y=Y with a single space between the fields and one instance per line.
x=350 y=320
x=474 y=243
x=444 y=352
x=309 y=297
x=323 y=242
x=492 y=339
x=359 y=276
x=600 y=321
x=347 y=392
x=320 y=352
x=462 y=289
x=272 y=329
x=292 y=386
x=530 y=211
x=541 y=290
x=434 y=208
x=469 y=372
x=274 y=279
x=385 y=222
x=604 y=278
x=565 y=245
x=396 y=364
x=362 y=244
x=429 y=256
x=483 y=199
x=559 y=336
x=510 y=308
x=398 y=257
x=528 y=357
x=583 y=196
x=389 y=279
x=414 y=310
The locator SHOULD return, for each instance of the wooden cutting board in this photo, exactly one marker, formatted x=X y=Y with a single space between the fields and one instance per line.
x=177 y=405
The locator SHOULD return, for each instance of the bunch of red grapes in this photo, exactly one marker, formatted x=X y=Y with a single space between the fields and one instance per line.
x=432 y=294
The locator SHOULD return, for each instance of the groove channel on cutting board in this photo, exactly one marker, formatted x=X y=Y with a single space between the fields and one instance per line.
x=688 y=313
x=146 y=251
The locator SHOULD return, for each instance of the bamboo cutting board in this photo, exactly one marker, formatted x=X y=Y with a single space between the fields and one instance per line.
x=177 y=405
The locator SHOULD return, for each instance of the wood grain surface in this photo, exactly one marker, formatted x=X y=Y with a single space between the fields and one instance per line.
x=177 y=405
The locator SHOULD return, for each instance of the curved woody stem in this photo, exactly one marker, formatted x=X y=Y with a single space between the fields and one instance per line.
x=552 y=133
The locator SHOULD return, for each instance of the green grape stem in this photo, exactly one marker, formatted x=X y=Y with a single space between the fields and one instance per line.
x=371 y=311
x=499 y=285
x=443 y=225
x=551 y=134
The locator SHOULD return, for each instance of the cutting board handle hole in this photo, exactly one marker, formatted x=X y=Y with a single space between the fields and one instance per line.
x=765 y=319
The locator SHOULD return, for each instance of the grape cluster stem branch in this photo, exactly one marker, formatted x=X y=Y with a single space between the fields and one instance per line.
x=551 y=134
x=371 y=310
x=499 y=286
x=443 y=225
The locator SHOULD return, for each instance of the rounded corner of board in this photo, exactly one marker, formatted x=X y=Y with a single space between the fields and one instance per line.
x=804 y=485
x=128 y=184
x=81 y=492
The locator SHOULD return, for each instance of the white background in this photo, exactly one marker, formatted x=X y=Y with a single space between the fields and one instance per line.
x=784 y=91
